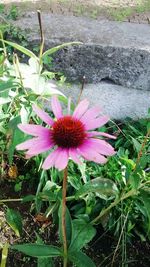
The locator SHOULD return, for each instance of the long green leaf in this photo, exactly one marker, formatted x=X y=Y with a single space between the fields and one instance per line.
x=17 y=137
x=81 y=260
x=4 y=255
x=56 y=48
x=79 y=236
x=98 y=185
x=35 y=250
x=42 y=261
x=21 y=49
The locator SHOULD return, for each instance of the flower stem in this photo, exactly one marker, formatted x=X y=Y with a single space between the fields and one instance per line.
x=64 y=190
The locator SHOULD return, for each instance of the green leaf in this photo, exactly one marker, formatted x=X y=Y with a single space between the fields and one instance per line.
x=98 y=185
x=21 y=49
x=145 y=195
x=4 y=100
x=4 y=255
x=79 y=234
x=135 y=180
x=36 y=250
x=28 y=198
x=81 y=260
x=129 y=162
x=6 y=85
x=43 y=262
x=136 y=144
x=17 y=137
x=68 y=225
x=148 y=126
x=56 y=48
x=14 y=219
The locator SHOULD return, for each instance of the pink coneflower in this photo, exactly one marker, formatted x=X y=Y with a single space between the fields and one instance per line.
x=69 y=136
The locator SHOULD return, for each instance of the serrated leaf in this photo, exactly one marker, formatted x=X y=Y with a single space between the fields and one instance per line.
x=79 y=234
x=135 y=180
x=14 y=220
x=136 y=144
x=36 y=250
x=81 y=260
x=56 y=48
x=98 y=185
x=21 y=49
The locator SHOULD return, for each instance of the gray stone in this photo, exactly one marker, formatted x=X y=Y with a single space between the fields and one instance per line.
x=116 y=101
x=111 y=51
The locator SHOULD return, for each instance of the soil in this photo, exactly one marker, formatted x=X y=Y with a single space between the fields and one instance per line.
x=123 y=10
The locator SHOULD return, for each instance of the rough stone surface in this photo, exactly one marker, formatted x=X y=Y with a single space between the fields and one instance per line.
x=116 y=101
x=111 y=51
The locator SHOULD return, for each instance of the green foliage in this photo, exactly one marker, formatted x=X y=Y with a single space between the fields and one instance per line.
x=14 y=219
x=115 y=195
x=80 y=238
x=36 y=250
x=98 y=185
x=13 y=13
x=4 y=255
x=81 y=260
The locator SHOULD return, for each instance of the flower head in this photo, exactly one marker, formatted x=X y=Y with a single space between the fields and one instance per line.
x=69 y=136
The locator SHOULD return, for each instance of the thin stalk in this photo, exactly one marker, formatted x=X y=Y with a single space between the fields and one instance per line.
x=42 y=38
x=10 y=200
x=132 y=192
x=118 y=244
x=3 y=43
x=141 y=150
x=64 y=236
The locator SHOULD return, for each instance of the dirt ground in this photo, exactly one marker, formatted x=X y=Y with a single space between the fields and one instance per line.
x=120 y=10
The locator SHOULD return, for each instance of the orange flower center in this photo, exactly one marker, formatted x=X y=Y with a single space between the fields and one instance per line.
x=68 y=132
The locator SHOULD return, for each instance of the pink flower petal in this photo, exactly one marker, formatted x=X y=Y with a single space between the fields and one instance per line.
x=35 y=130
x=43 y=115
x=91 y=155
x=50 y=160
x=27 y=144
x=90 y=114
x=96 y=123
x=74 y=155
x=81 y=109
x=41 y=147
x=56 y=107
x=94 y=133
x=61 y=160
x=100 y=146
